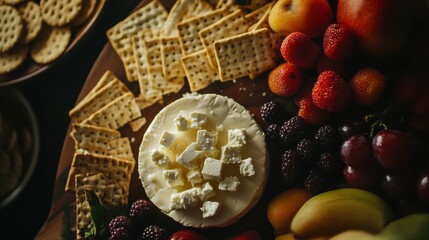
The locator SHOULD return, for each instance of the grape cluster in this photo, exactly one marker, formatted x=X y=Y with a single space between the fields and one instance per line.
x=389 y=163
x=310 y=156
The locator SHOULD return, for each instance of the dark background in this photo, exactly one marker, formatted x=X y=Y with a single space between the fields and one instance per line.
x=52 y=94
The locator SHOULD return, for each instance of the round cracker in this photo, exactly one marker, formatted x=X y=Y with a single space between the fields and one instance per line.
x=60 y=13
x=51 y=43
x=13 y=58
x=30 y=13
x=88 y=7
x=10 y=27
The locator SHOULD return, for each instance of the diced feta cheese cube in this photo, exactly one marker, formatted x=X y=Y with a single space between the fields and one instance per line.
x=237 y=136
x=173 y=177
x=212 y=169
x=198 y=120
x=219 y=127
x=206 y=192
x=206 y=141
x=209 y=209
x=194 y=176
x=160 y=157
x=246 y=167
x=181 y=123
x=189 y=155
x=167 y=139
x=230 y=154
x=229 y=184
x=185 y=199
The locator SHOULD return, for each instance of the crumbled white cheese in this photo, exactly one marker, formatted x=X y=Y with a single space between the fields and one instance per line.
x=189 y=155
x=194 y=176
x=185 y=199
x=212 y=169
x=206 y=141
x=229 y=184
x=219 y=127
x=167 y=139
x=206 y=192
x=246 y=167
x=198 y=120
x=209 y=209
x=160 y=157
x=231 y=154
x=173 y=177
x=237 y=136
x=181 y=123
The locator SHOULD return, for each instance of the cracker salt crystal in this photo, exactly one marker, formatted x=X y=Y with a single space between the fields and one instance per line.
x=188 y=29
x=198 y=71
x=230 y=25
x=92 y=138
x=59 y=13
x=12 y=59
x=116 y=113
x=51 y=44
x=248 y=53
x=115 y=169
x=181 y=10
x=10 y=28
x=32 y=18
x=99 y=99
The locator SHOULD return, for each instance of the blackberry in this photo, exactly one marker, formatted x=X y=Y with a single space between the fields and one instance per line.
x=118 y=222
x=330 y=163
x=119 y=234
x=273 y=132
x=141 y=208
x=154 y=232
x=272 y=112
x=328 y=138
x=308 y=149
x=292 y=168
x=316 y=182
x=294 y=130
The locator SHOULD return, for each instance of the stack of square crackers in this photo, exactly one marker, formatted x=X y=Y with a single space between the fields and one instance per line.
x=200 y=41
x=40 y=30
x=103 y=160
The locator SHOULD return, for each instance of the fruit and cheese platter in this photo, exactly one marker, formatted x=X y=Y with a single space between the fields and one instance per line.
x=251 y=120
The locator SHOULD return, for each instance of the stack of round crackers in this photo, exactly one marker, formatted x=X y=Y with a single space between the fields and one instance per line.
x=40 y=31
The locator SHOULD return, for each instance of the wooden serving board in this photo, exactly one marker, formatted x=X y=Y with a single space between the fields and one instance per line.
x=249 y=93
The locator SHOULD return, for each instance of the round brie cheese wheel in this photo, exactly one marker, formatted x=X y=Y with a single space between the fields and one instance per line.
x=221 y=177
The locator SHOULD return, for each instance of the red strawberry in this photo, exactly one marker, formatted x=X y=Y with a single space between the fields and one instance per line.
x=187 y=234
x=338 y=42
x=310 y=112
x=331 y=92
x=285 y=79
x=247 y=235
x=367 y=85
x=300 y=50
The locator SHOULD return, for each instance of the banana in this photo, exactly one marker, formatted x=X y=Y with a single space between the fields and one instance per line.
x=413 y=227
x=332 y=212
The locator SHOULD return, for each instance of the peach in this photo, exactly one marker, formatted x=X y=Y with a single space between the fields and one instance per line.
x=283 y=207
x=308 y=16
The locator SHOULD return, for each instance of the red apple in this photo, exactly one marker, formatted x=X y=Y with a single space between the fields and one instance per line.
x=380 y=26
x=307 y=16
